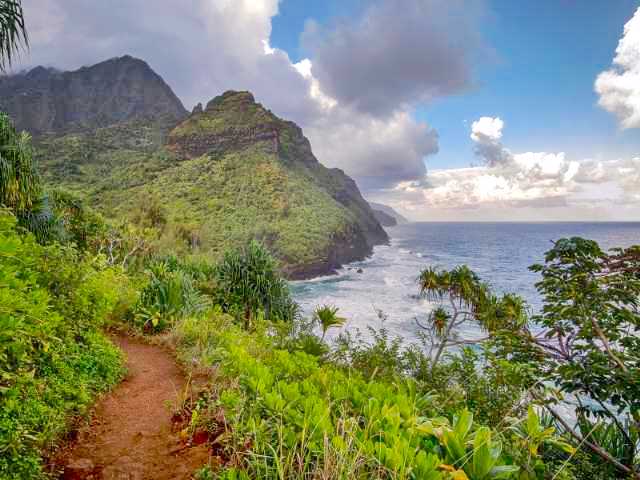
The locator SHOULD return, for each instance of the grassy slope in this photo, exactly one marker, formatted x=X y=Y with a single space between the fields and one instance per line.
x=224 y=200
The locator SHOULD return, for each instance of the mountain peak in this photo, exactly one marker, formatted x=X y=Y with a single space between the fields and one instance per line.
x=232 y=99
x=230 y=121
x=120 y=89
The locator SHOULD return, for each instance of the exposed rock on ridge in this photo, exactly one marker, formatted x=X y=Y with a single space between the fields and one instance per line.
x=233 y=122
x=118 y=90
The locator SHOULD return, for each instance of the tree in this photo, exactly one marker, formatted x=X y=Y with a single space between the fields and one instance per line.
x=463 y=298
x=327 y=317
x=248 y=283
x=583 y=346
x=586 y=343
x=20 y=186
x=13 y=33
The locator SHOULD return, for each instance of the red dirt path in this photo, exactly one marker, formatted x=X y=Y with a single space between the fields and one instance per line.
x=130 y=436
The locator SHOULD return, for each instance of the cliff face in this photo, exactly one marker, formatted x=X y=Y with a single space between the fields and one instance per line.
x=234 y=123
x=115 y=91
x=385 y=219
x=386 y=215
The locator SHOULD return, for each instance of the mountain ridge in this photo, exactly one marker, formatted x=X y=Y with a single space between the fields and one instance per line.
x=223 y=174
x=387 y=216
x=121 y=89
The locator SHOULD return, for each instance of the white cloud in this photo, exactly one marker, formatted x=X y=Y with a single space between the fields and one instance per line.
x=619 y=87
x=204 y=47
x=398 y=53
x=521 y=180
x=487 y=129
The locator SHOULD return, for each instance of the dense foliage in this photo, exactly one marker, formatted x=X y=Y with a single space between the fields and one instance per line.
x=288 y=415
x=249 y=283
x=217 y=201
x=581 y=350
x=53 y=357
x=20 y=186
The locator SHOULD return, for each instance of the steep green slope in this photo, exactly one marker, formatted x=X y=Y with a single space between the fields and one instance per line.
x=226 y=174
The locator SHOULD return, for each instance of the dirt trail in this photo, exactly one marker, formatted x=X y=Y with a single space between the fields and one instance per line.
x=130 y=436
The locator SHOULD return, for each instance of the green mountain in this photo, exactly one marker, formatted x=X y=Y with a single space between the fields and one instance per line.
x=221 y=176
x=386 y=215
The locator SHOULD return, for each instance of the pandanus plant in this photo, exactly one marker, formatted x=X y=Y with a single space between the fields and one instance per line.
x=13 y=33
x=20 y=186
x=327 y=317
x=461 y=297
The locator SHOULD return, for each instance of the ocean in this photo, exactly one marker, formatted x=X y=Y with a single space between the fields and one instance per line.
x=500 y=253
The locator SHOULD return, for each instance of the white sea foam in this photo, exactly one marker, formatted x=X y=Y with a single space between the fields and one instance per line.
x=497 y=252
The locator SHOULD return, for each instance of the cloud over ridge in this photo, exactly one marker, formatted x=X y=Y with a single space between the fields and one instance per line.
x=203 y=47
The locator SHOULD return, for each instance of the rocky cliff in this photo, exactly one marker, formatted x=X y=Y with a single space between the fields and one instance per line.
x=222 y=175
x=386 y=215
x=234 y=124
x=119 y=90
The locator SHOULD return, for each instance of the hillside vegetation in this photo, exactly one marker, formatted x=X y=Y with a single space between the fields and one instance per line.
x=226 y=174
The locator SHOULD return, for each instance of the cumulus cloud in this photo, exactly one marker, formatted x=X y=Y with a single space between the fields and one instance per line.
x=619 y=87
x=378 y=151
x=399 y=52
x=517 y=180
x=486 y=132
x=204 y=47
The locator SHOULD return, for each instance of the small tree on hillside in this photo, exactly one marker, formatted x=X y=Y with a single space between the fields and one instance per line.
x=248 y=283
x=327 y=317
x=586 y=341
x=463 y=298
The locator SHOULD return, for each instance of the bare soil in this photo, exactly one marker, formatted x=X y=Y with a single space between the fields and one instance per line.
x=132 y=435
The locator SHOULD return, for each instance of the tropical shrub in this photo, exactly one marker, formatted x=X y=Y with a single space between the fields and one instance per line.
x=583 y=346
x=79 y=224
x=20 y=187
x=53 y=358
x=170 y=293
x=285 y=414
x=249 y=284
x=327 y=317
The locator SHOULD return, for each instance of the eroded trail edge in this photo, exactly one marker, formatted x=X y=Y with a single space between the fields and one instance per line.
x=130 y=435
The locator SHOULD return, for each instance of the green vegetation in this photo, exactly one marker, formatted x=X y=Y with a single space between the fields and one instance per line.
x=583 y=344
x=305 y=418
x=54 y=359
x=220 y=181
x=327 y=317
x=13 y=33
x=281 y=402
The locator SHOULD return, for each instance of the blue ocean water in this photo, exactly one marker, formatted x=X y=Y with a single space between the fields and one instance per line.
x=499 y=252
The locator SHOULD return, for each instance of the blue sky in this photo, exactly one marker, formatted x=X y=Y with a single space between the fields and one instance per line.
x=540 y=81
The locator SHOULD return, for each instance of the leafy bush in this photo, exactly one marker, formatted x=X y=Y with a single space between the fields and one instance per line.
x=286 y=414
x=171 y=293
x=21 y=189
x=249 y=283
x=53 y=358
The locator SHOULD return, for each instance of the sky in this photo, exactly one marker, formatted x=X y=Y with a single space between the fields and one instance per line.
x=443 y=109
